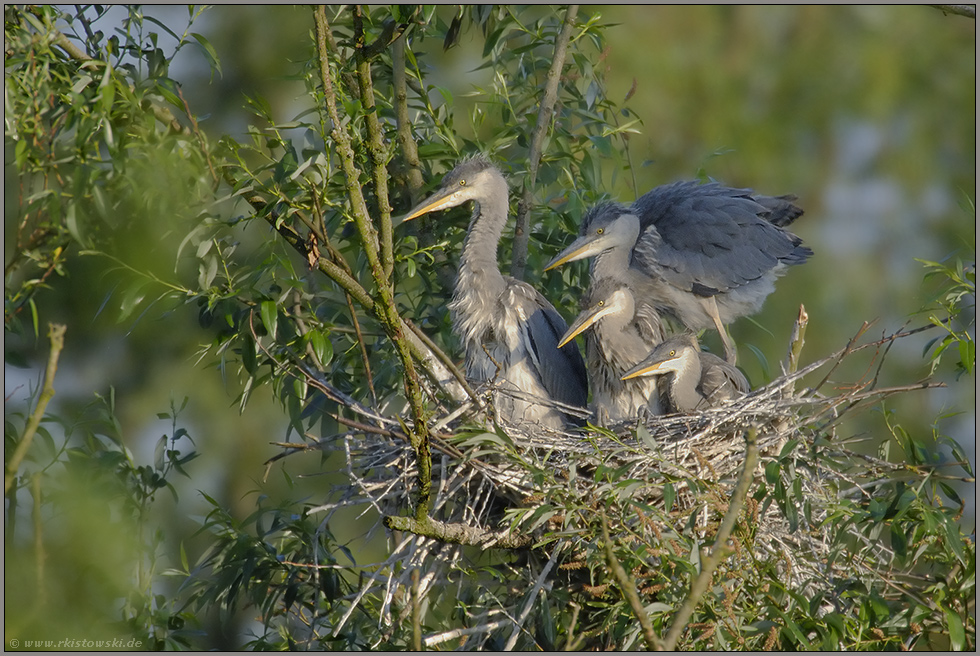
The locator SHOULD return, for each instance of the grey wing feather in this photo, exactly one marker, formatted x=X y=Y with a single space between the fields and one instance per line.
x=562 y=371
x=710 y=239
x=721 y=380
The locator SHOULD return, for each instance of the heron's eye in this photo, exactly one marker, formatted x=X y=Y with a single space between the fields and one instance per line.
x=673 y=353
x=599 y=231
x=462 y=183
x=602 y=304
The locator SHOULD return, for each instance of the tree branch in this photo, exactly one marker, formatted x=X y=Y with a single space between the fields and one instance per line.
x=375 y=145
x=970 y=11
x=409 y=149
x=56 y=335
x=522 y=230
x=470 y=536
x=388 y=313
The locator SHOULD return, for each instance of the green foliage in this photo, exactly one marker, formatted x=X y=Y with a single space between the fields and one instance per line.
x=86 y=566
x=953 y=309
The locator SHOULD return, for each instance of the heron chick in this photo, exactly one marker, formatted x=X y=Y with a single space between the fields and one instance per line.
x=621 y=333
x=509 y=331
x=705 y=253
x=695 y=380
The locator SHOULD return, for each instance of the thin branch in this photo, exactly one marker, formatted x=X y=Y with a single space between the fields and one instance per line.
x=56 y=335
x=39 y=553
x=416 y=612
x=628 y=588
x=719 y=549
x=522 y=231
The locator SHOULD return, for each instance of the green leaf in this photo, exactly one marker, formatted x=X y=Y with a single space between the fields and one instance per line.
x=210 y=53
x=270 y=316
x=957 y=636
x=131 y=300
x=955 y=540
x=669 y=495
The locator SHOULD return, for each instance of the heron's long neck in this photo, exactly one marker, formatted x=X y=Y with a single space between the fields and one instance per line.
x=684 y=392
x=480 y=283
x=613 y=263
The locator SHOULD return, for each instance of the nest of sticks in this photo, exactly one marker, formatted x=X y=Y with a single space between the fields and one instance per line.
x=506 y=488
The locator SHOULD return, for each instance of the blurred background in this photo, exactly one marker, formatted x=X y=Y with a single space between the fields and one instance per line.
x=867 y=114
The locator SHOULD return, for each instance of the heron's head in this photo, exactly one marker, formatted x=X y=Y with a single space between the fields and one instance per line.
x=678 y=354
x=472 y=179
x=605 y=226
x=606 y=300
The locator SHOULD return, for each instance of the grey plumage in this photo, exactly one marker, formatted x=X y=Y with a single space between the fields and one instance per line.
x=509 y=331
x=705 y=253
x=619 y=334
x=694 y=380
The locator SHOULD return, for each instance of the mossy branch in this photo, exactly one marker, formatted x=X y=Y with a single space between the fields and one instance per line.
x=389 y=316
x=470 y=536
x=522 y=230
x=375 y=145
x=56 y=335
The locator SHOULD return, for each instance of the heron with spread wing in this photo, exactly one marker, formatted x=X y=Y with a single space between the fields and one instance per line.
x=705 y=253
x=509 y=331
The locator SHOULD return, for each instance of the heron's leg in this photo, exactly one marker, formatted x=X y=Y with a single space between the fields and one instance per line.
x=711 y=307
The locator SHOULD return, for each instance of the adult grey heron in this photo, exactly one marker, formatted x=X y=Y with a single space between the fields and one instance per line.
x=705 y=253
x=508 y=329
x=621 y=334
x=696 y=380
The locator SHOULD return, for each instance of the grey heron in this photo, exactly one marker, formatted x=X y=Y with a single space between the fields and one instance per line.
x=621 y=334
x=705 y=253
x=695 y=380
x=509 y=331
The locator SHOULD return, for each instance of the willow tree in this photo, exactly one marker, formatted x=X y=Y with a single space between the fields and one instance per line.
x=756 y=525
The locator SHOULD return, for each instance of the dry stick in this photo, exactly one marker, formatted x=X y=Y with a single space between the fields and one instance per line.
x=629 y=589
x=522 y=231
x=718 y=550
x=375 y=146
x=56 y=335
